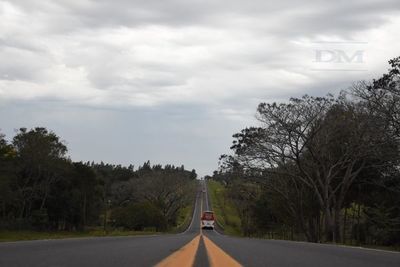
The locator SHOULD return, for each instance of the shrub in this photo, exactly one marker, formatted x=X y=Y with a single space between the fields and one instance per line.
x=138 y=216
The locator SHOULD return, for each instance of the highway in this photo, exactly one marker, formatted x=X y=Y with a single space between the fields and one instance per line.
x=194 y=247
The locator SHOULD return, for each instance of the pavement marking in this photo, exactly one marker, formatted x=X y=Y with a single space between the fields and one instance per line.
x=79 y=238
x=184 y=257
x=193 y=215
x=201 y=213
x=334 y=245
x=217 y=257
x=215 y=231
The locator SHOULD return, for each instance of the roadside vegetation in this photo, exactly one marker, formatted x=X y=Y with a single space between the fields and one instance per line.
x=19 y=235
x=225 y=211
x=321 y=169
x=185 y=217
x=183 y=221
x=45 y=194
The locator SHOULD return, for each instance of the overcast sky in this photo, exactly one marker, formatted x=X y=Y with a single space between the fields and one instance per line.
x=125 y=81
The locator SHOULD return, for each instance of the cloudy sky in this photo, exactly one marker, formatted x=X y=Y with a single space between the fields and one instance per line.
x=125 y=81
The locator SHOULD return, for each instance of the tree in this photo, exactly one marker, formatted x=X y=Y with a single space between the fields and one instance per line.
x=138 y=216
x=41 y=188
x=381 y=99
x=38 y=154
x=169 y=191
x=318 y=142
x=244 y=196
x=382 y=96
x=7 y=196
x=85 y=182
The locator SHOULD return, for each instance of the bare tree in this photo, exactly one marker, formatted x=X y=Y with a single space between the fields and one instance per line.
x=382 y=96
x=169 y=191
x=320 y=142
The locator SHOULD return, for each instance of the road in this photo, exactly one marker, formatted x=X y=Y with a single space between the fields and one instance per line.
x=194 y=247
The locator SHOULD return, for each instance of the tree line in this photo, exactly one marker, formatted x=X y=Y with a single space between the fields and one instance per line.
x=323 y=169
x=41 y=188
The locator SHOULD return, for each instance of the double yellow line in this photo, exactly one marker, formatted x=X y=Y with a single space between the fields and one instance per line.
x=186 y=255
x=183 y=257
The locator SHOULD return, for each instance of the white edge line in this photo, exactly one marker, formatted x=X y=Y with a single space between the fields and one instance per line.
x=327 y=244
x=80 y=238
x=100 y=237
x=194 y=212
x=206 y=187
x=217 y=232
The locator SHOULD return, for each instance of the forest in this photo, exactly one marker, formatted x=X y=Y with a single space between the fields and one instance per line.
x=42 y=189
x=321 y=169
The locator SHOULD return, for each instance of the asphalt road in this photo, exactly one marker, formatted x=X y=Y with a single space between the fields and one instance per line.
x=193 y=247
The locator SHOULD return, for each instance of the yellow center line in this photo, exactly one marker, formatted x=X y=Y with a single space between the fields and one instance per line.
x=184 y=257
x=218 y=257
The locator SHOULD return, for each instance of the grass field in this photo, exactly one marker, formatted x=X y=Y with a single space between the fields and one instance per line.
x=36 y=235
x=185 y=214
x=226 y=213
x=184 y=219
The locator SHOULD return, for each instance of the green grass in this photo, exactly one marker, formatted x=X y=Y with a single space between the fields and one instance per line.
x=225 y=211
x=185 y=214
x=36 y=235
x=184 y=218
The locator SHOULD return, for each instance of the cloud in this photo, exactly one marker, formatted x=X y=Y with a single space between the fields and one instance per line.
x=220 y=57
